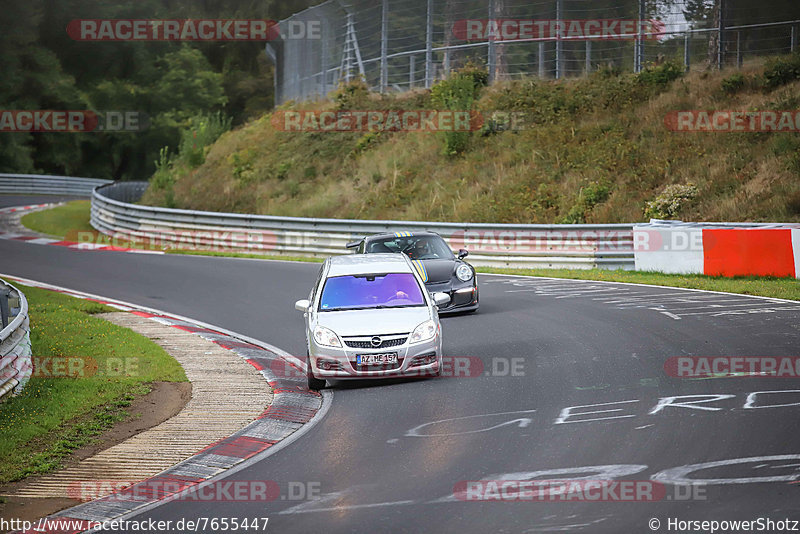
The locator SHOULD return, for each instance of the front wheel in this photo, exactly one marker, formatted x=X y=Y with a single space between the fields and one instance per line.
x=314 y=384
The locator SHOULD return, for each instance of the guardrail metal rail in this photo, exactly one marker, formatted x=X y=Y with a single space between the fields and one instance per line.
x=39 y=184
x=15 y=340
x=580 y=246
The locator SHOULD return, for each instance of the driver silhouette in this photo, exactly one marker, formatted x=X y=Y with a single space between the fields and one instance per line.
x=420 y=249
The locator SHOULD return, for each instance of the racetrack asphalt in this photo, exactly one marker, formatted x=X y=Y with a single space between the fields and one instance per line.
x=385 y=458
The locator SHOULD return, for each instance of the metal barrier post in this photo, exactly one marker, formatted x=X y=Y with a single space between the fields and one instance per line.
x=4 y=313
x=739 y=49
x=559 y=44
x=588 y=67
x=687 y=58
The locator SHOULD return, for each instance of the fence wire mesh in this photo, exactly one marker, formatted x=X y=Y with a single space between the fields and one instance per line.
x=397 y=45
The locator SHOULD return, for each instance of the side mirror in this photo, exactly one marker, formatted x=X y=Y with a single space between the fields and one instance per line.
x=462 y=253
x=353 y=244
x=302 y=305
x=441 y=299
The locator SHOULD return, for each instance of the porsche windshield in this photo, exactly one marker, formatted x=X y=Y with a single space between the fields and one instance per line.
x=424 y=247
x=393 y=290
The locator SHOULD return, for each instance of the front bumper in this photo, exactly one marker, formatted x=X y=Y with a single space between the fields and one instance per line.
x=419 y=359
x=463 y=298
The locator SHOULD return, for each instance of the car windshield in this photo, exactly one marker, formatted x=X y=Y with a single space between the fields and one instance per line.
x=393 y=290
x=424 y=247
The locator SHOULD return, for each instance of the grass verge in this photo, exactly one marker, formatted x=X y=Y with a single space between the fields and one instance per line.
x=785 y=288
x=70 y=218
x=56 y=415
x=71 y=222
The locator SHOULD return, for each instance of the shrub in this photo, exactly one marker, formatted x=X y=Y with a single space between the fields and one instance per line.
x=456 y=93
x=351 y=95
x=163 y=180
x=793 y=203
x=782 y=70
x=733 y=83
x=660 y=75
x=364 y=142
x=588 y=197
x=671 y=201
x=200 y=133
x=478 y=74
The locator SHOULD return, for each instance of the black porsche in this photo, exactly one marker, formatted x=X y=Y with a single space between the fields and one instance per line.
x=441 y=269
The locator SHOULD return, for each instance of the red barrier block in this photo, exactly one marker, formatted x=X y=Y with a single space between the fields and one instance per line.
x=740 y=252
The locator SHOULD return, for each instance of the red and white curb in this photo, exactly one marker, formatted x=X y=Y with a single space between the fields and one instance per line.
x=293 y=411
x=39 y=240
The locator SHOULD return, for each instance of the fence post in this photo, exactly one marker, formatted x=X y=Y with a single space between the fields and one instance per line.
x=325 y=47
x=384 y=38
x=739 y=49
x=721 y=35
x=541 y=59
x=638 y=61
x=559 y=16
x=793 y=44
x=491 y=58
x=687 y=57
x=428 y=44
x=4 y=313
x=588 y=67
x=346 y=59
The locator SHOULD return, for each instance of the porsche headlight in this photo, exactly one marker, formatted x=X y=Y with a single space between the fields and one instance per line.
x=463 y=272
x=423 y=332
x=327 y=337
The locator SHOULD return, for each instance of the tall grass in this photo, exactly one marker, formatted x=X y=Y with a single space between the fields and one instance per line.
x=592 y=149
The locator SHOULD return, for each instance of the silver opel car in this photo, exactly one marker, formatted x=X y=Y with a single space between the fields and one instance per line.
x=370 y=316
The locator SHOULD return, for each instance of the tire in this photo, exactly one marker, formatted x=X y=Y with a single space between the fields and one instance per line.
x=314 y=384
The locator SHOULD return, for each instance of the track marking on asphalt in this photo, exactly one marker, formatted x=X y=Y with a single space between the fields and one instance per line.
x=521 y=422
x=562 y=528
x=710 y=404
x=674 y=305
x=679 y=477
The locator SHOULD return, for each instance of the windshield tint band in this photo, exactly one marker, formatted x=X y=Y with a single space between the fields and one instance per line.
x=393 y=289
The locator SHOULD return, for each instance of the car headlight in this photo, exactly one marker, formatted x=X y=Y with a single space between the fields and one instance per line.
x=463 y=272
x=327 y=337
x=423 y=332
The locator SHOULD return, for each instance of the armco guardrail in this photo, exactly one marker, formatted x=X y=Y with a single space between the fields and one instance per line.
x=607 y=246
x=15 y=340
x=48 y=185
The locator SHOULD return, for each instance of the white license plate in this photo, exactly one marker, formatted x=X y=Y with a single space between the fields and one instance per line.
x=376 y=359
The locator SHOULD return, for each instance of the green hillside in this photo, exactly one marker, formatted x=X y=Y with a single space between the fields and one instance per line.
x=593 y=149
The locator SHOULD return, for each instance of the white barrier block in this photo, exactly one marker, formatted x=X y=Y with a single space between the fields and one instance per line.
x=796 y=250
x=676 y=250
